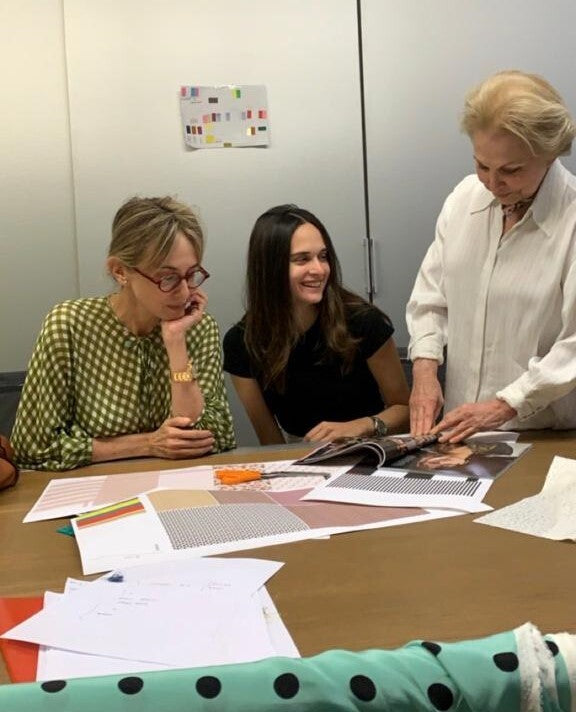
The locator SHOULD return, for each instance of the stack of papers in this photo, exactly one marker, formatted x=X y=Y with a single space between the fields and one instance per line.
x=172 y=615
x=138 y=518
x=67 y=496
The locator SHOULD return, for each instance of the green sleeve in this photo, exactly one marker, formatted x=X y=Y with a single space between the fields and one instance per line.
x=206 y=354
x=507 y=672
x=45 y=436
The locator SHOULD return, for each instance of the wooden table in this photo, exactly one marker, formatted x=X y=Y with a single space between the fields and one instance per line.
x=445 y=579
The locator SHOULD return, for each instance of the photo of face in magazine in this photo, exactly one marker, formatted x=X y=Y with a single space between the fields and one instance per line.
x=485 y=455
x=475 y=459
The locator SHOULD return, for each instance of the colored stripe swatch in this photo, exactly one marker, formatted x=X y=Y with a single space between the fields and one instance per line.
x=108 y=514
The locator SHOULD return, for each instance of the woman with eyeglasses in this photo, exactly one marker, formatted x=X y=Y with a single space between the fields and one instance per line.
x=135 y=373
x=310 y=359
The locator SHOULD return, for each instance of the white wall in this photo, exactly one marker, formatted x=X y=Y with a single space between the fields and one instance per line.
x=90 y=116
x=419 y=63
x=37 y=249
x=126 y=62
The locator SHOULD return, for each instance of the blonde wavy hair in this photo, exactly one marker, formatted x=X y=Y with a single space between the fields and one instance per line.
x=144 y=230
x=525 y=105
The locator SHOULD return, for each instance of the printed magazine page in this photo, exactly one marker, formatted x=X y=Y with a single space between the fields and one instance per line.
x=383 y=450
x=483 y=455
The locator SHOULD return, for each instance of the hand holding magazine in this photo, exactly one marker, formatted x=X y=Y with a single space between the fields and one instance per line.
x=486 y=454
x=385 y=450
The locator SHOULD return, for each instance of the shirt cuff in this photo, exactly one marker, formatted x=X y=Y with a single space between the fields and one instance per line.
x=424 y=350
x=198 y=422
x=516 y=399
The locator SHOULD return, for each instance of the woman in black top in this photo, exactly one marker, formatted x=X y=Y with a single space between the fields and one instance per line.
x=309 y=357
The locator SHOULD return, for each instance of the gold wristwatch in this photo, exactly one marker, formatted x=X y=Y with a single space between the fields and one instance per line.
x=186 y=376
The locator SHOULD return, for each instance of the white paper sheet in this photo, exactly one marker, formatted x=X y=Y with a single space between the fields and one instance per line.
x=196 y=620
x=212 y=523
x=224 y=116
x=68 y=496
x=551 y=513
x=57 y=664
x=240 y=574
x=396 y=488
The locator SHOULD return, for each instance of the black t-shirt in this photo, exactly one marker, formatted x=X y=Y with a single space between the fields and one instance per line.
x=316 y=388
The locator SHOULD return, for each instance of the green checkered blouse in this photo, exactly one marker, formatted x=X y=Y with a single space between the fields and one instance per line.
x=89 y=377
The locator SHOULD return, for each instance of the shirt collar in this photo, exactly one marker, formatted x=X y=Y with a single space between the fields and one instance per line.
x=547 y=204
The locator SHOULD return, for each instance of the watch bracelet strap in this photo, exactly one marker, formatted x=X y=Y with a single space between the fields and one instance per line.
x=186 y=376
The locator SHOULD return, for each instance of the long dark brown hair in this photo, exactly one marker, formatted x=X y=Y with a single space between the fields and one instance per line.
x=270 y=328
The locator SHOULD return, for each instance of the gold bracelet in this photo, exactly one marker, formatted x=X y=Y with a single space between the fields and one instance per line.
x=186 y=376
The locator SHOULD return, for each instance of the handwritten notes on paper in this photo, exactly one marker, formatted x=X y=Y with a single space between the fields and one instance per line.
x=551 y=513
x=196 y=613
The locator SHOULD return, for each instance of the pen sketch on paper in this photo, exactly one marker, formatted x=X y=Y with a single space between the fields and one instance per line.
x=224 y=116
x=171 y=614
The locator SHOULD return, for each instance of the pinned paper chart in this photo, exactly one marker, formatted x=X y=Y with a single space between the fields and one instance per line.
x=224 y=116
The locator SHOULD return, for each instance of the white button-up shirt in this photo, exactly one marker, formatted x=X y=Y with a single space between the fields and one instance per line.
x=505 y=305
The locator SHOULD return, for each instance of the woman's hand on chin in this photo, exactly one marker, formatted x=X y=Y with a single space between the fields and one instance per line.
x=192 y=315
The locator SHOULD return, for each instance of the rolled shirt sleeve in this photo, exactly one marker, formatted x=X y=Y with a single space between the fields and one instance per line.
x=207 y=360
x=504 y=304
x=426 y=313
x=552 y=377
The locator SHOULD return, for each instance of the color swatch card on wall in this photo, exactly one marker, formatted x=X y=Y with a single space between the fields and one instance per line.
x=224 y=116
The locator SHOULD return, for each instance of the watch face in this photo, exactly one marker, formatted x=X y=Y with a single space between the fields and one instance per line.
x=380 y=427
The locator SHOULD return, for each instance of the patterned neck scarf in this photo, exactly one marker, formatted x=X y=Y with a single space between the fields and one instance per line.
x=515 y=208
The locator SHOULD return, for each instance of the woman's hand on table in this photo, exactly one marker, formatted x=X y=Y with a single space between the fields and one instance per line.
x=426 y=399
x=470 y=418
x=175 y=439
x=325 y=430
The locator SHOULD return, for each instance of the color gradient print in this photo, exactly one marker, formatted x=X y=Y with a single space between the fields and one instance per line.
x=204 y=522
x=205 y=518
x=110 y=514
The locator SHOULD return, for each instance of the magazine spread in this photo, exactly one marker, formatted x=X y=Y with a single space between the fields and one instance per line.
x=383 y=450
x=483 y=455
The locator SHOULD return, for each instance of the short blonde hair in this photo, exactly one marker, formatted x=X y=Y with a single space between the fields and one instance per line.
x=144 y=230
x=525 y=105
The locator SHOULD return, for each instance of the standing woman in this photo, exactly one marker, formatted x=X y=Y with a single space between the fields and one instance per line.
x=309 y=357
x=498 y=284
x=137 y=372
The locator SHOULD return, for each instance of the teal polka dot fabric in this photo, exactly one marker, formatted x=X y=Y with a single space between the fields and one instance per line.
x=519 y=670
